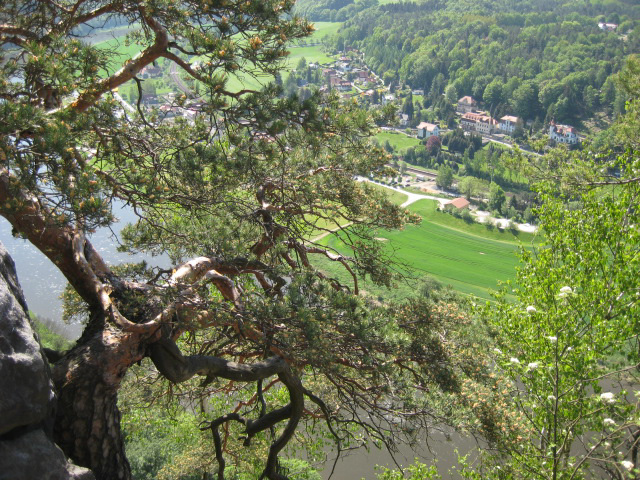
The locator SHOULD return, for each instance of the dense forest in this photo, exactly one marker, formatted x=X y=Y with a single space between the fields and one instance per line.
x=331 y=10
x=534 y=59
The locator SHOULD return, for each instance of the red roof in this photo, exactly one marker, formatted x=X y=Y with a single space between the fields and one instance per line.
x=467 y=100
x=478 y=117
x=430 y=127
x=459 y=202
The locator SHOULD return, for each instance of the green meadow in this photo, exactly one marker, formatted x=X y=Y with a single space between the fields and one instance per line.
x=323 y=29
x=399 y=141
x=469 y=257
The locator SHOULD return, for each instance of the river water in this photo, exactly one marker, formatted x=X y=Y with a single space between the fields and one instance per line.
x=43 y=283
x=441 y=449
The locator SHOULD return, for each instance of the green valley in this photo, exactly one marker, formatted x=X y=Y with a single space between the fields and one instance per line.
x=469 y=257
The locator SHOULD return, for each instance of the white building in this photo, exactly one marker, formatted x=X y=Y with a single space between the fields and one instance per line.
x=508 y=124
x=478 y=122
x=466 y=104
x=426 y=130
x=344 y=66
x=563 y=134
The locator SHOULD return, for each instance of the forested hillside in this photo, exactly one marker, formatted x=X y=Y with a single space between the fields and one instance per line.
x=536 y=59
x=331 y=10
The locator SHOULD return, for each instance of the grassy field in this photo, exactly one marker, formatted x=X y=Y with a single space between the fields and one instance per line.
x=427 y=210
x=313 y=54
x=324 y=28
x=468 y=257
x=399 y=141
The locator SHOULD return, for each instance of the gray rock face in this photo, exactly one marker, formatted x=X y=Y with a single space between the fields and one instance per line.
x=27 y=396
x=33 y=456
x=26 y=390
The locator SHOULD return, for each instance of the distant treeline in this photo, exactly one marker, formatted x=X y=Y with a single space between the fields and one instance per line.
x=331 y=10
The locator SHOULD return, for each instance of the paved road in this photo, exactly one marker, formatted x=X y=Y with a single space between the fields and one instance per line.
x=412 y=197
x=482 y=217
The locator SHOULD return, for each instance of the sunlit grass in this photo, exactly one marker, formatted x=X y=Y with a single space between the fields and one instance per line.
x=470 y=258
x=399 y=141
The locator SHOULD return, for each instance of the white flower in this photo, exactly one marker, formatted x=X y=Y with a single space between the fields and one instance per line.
x=565 y=292
x=551 y=397
x=609 y=422
x=533 y=365
x=608 y=397
x=627 y=464
x=553 y=339
x=514 y=360
x=497 y=350
x=531 y=309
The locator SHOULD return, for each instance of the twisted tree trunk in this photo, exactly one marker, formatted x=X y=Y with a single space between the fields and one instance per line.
x=87 y=380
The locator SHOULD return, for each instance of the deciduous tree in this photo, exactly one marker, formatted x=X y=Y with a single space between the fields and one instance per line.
x=497 y=197
x=434 y=145
x=569 y=341
x=445 y=176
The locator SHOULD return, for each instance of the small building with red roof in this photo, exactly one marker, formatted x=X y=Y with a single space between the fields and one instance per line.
x=459 y=203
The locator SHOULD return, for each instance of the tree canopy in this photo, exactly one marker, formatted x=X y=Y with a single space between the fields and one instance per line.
x=568 y=344
x=529 y=58
x=235 y=193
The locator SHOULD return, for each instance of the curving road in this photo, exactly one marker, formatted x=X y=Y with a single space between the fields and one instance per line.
x=482 y=217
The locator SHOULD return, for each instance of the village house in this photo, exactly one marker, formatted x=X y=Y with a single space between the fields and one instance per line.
x=334 y=81
x=563 y=133
x=151 y=71
x=343 y=66
x=426 y=130
x=466 y=104
x=361 y=76
x=478 y=122
x=344 y=85
x=508 y=124
x=403 y=120
x=328 y=73
x=170 y=111
x=459 y=203
x=417 y=91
